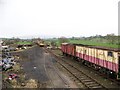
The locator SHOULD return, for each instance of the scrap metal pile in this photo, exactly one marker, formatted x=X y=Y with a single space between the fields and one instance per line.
x=7 y=62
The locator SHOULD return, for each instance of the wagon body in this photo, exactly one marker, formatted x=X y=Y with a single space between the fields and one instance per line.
x=102 y=57
x=107 y=58
x=71 y=49
x=64 y=47
x=68 y=49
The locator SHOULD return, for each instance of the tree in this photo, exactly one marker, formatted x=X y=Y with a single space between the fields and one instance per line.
x=63 y=40
x=53 y=43
x=111 y=38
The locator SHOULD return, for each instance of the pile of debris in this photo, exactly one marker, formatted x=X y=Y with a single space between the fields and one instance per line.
x=31 y=84
x=6 y=65
x=7 y=62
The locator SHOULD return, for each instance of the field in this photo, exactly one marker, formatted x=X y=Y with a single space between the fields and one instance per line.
x=25 y=42
x=85 y=42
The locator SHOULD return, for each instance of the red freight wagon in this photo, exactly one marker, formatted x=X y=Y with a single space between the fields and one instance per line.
x=101 y=58
x=64 y=48
x=71 y=49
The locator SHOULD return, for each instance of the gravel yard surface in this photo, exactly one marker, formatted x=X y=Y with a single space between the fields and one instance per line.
x=41 y=66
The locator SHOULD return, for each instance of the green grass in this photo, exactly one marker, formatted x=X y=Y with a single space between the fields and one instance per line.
x=25 y=42
x=50 y=40
x=86 y=42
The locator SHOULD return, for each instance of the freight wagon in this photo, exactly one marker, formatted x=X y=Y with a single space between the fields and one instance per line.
x=68 y=49
x=106 y=60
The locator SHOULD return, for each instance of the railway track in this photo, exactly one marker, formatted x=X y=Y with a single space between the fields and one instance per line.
x=113 y=80
x=51 y=69
x=80 y=76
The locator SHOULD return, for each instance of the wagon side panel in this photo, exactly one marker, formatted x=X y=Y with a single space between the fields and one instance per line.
x=86 y=53
x=79 y=51
x=113 y=61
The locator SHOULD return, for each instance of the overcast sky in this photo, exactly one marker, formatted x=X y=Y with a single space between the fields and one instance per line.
x=47 y=18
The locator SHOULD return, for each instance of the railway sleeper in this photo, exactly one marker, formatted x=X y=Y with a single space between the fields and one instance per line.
x=82 y=78
x=74 y=71
x=94 y=85
x=87 y=80
x=77 y=81
x=88 y=83
x=76 y=74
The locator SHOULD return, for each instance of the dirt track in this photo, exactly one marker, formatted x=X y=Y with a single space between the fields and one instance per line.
x=40 y=66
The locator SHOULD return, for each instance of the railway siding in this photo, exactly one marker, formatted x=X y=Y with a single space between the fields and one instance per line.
x=89 y=71
x=87 y=81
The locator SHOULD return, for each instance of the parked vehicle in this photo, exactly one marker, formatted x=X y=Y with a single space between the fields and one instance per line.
x=5 y=61
x=12 y=76
x=10 y=57
x=12 y=49
x=8 y=60
x=1 y=64
x=12 y=62
x=6 y=66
